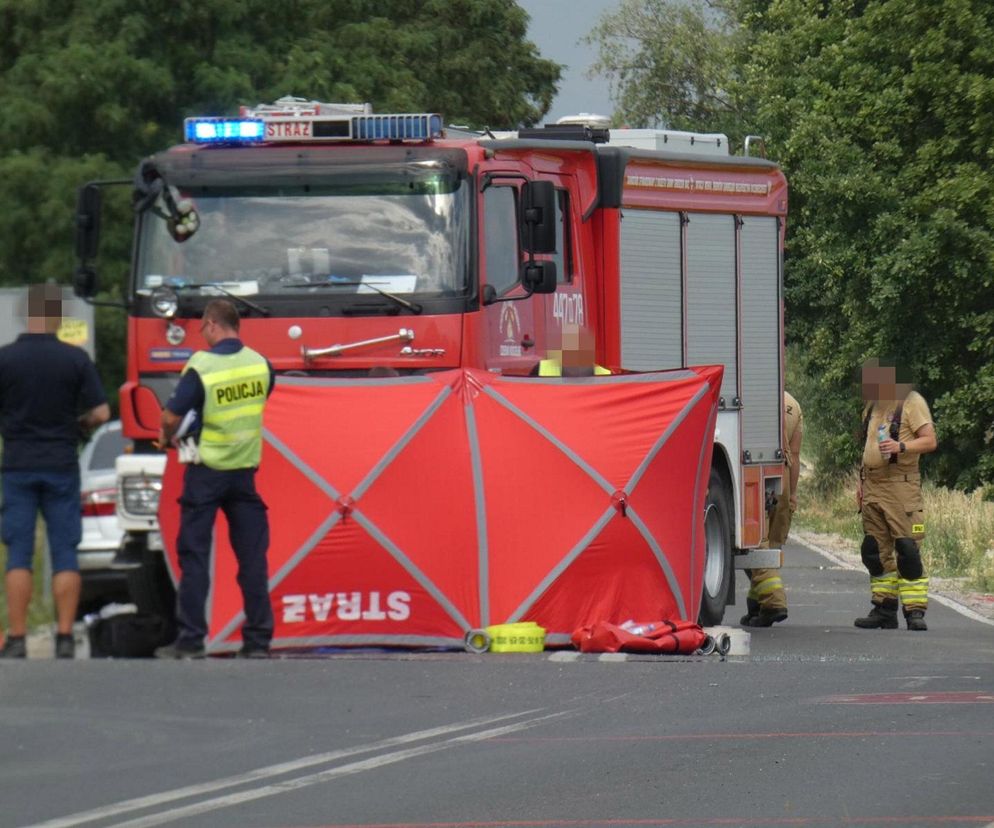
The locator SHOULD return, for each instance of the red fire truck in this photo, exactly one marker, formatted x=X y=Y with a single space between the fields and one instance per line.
x=353 y=241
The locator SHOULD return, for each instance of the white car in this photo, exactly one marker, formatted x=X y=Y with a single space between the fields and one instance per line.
x=101 y=531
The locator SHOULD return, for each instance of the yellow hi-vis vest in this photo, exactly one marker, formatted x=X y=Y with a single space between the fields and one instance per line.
x=554 y=368
x=235 y=390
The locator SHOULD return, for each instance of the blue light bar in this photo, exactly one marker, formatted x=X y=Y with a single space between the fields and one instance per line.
x=396 y=127
x=224 y=130
x=256 y=127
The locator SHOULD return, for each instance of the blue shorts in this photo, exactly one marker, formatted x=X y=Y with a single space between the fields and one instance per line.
x=56 y=496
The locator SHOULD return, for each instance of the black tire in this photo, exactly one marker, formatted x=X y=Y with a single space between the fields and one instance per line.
x=152 y=591
x=718 y=516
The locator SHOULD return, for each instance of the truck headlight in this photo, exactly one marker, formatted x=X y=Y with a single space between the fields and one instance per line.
x=139 y=496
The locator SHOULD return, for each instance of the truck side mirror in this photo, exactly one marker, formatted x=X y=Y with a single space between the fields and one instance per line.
x=84 y=281
x=88 y=206
x=538 y=276
x=538 y=217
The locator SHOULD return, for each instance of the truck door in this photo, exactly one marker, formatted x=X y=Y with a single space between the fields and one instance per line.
x=568 y=306
x=516 y=325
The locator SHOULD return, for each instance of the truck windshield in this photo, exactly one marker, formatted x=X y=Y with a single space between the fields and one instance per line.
x=409 y=237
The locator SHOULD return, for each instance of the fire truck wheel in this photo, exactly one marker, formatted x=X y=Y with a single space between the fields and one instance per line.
x=718 y=550
x=151 y=589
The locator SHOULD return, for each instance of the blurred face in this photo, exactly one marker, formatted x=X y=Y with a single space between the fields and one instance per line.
x=44 y=308
x=578 y=348
x=880 y=383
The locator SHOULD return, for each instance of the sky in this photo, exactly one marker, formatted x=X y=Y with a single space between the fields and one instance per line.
x=556 y=28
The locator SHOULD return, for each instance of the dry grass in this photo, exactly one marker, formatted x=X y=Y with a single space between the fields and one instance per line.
x=959 y=540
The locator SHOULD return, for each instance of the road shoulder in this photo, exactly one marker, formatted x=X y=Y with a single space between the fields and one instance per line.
x=952 y=592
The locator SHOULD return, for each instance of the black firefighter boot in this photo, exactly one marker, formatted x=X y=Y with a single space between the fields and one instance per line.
x=882 y=617
x=766 y=617
x=916 y=620
x=752 y=609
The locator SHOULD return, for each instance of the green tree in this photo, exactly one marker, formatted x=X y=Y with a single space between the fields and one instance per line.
x=88 y=89
x=674 y=65
x=881 y=116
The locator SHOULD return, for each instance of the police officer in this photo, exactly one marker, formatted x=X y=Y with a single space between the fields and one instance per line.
x=49 y=395
x=766 y=602
x=227 y=387
x=898 y=429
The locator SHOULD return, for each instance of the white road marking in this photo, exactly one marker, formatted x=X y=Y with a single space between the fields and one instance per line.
x=619 y=697
x=375 y=762
x=268 y=771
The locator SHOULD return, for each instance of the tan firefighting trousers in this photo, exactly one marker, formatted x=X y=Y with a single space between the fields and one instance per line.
x=892 y=509
x=765 y=585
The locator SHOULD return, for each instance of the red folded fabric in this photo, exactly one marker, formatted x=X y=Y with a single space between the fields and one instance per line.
x=678 y=637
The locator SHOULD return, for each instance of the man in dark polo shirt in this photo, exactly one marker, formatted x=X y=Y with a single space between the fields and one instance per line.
x=49 y=394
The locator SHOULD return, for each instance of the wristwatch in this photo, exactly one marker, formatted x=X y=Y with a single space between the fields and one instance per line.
x=904 y=448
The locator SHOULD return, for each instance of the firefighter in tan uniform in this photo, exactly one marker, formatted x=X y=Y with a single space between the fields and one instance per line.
x=898 y=428
x=766 y=603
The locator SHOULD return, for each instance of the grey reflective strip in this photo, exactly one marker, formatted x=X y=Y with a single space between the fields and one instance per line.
x=299 y=464
x=286 y=569
x=480 y=502
x=561 y=380
x=335 y=516
x=344 y=382
x=398 y=447
x=412 y=569
x=697 y=482
x=561 y=567
x=174 y=571
x=661 y=558
x=548 y=435
x=210 y=589
x=603 y=483
x=351 y=640
x=558 y=638
x=650 y=456
x=316 y=536
x=675 y=375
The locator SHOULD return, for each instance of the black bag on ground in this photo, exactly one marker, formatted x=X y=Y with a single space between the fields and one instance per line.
x=128 y=635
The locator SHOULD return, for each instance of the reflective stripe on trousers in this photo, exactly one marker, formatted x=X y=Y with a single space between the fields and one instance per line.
x=766 y=589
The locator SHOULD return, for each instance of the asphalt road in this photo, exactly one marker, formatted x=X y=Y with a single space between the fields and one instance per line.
x=821 y=724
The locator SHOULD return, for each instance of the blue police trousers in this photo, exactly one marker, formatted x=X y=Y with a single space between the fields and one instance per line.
x=206 y=490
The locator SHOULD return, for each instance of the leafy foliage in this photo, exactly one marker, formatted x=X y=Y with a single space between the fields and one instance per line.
x=88 y=89
x=887 y=138
x=693 y=86
x=881 y=115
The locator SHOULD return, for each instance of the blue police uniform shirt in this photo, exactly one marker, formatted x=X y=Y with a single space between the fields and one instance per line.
x=189 y=393
x=45 y=385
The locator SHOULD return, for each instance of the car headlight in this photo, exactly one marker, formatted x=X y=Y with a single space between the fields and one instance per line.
x=139 y=496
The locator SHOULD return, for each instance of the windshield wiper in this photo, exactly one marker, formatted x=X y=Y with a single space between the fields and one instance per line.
x=233 y=296
x=413 y=307
x=251 y=305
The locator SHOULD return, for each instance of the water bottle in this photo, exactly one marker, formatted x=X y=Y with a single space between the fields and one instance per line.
x=881 y=436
